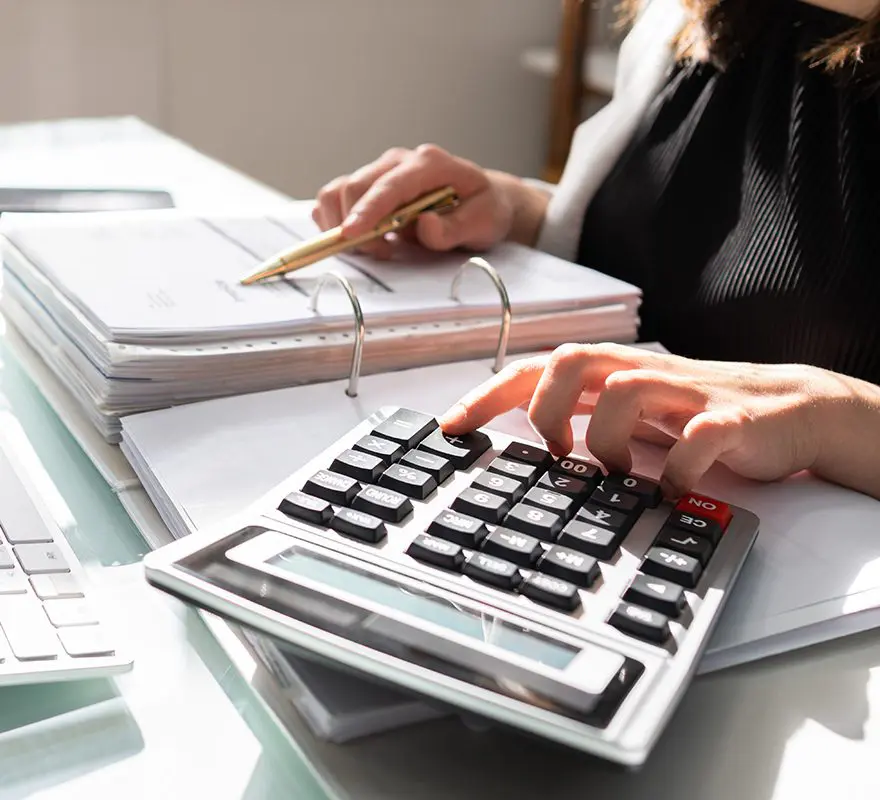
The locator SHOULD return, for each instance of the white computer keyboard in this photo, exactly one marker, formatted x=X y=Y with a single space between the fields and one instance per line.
x=50 y=627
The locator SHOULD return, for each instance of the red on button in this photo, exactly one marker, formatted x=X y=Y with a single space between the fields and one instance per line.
x=701 y=506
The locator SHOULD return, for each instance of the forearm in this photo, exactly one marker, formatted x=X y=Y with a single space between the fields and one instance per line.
x=529 y=204
x=848 y=425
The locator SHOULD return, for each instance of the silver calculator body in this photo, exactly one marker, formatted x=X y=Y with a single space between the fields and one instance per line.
x=571 y=674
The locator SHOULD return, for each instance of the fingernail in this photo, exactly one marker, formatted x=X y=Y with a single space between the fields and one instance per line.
x=454 y=416
x=555 y=448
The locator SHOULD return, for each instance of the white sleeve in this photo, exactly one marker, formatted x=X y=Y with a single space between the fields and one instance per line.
x=643 y=66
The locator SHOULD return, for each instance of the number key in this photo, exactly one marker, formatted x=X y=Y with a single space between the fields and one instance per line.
x=610 y=497
x=527 y=473
x=537 y=522
x=483 y=505
x=510 y=489
x=564 y=484
x=576 y=468
x=552 y=501
x=647 y=491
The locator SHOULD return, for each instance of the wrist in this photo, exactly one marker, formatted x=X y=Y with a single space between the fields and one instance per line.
x=527 y=204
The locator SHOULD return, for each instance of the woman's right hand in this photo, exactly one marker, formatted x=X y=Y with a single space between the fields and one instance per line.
x=359 y=201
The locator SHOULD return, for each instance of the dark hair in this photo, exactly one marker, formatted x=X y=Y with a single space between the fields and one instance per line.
x=718 y=30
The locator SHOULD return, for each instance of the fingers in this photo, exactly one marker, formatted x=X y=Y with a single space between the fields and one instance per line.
x=630 y=397
x=510 y=388
x=471 y=225
x=705 y=439
x=426 y=169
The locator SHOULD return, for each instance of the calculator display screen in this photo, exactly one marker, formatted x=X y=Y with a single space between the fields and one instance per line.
x=464 y=621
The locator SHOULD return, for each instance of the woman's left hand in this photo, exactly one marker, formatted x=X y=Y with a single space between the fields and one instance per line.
x=763 y=421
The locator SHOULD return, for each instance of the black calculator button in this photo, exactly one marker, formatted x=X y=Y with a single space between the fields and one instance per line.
x=564 y=484
x=361 y=466
x=462 y=450
x=673 y=566
x=307 y=508
x=408 y=480
x=520 y=548
x=527 y=473
x=384 y=503
x=615 y=521
x=490 y=569
x=551 y=591
x=510 y=489
x=436 y=466
x=647 y=491
x=483 y=505
x=685 y=542
x=528 y=454
x=385 y=449
x=707 y=528
x=571 y=565
x=611 y=497
x=435 y=551
x=460 y=528
x=358 y=525
x=655 y=593
x=591 y=539
x=406 y=427
x=537 y=522
x=333 y=487
x=552 y=501
x=641 y=622
x=576 y=468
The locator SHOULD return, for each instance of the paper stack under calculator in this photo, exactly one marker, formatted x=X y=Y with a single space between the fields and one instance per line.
x=144 y=310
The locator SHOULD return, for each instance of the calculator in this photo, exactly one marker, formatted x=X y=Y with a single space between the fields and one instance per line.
x=483 y=573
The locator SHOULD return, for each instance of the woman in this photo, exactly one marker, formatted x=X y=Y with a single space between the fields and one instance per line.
x=734 y=177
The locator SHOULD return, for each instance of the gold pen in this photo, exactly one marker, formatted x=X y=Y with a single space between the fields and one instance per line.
x=331 y=242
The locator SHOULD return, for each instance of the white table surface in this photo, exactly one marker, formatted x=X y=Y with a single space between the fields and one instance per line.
x=183 y=723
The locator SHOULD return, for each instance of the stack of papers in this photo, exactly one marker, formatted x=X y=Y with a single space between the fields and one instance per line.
x=138 y=311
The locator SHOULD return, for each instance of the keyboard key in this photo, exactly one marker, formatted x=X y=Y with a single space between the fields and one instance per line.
x=576 y=468
x=408 y=480
x=385 y=449
x=361 y=466
x=483 y=505
x=586 y=538
x=537 y=522
x=528 y=454
x=69 y=612
x=406 y=427
x=89 y=640
x=609 y=497
x=706 y=507
x=438 y=467
x=563 y=562
x=6 y=561
x=13 y=581
x=384 y=503
x=551 y=591
x=510 y=489
x=673 y=566
x=684 y=542
x=656 y=594
x=359 y=525
x=686 y=521
x=516 y=547
x=564 y=484
x=333 y=487
x=39 y=558
x=22 y=522
x=552 y=501
x=462 y=450
x=459 y=528
x=438 y=552
x=489 y=569
x=28 y=630
x=300 y=505
x=641 y=622
x=647 y=491
x=527 y=473
x=615 y=521
x=59 y=584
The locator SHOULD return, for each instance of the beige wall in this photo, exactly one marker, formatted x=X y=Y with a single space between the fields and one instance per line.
x=291 y=91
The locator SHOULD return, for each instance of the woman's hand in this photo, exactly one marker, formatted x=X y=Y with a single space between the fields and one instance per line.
x=763 y=421
x=494 y=205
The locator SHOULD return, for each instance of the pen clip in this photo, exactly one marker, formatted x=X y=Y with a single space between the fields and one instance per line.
x=441 y=201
